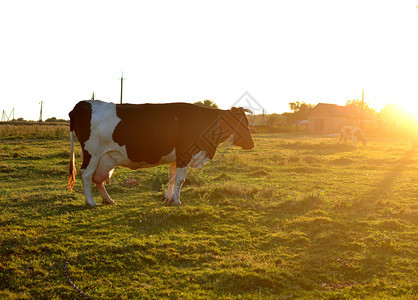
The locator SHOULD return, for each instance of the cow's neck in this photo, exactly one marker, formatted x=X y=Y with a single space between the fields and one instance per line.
x=226 y=125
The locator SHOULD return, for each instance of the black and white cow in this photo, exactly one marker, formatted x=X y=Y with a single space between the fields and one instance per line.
x=354 y=133
x=145 y=135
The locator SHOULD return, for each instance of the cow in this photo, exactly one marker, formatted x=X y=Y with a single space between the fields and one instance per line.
x=136 y=136
x=354 y=133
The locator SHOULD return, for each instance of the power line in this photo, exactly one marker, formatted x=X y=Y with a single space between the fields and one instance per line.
x=5 y=117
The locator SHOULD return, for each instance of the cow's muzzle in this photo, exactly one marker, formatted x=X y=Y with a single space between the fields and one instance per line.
x=248 y=146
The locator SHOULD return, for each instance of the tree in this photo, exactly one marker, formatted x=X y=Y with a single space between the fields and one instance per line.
x=356 y=103
x=300 y=110
x=274 y=120
x=53 y=119
x=207 y=103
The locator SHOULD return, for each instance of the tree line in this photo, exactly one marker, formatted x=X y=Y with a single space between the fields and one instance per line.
x=49 y=120
x=299 y=111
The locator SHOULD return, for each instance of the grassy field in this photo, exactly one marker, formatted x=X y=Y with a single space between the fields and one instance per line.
x=298 y=216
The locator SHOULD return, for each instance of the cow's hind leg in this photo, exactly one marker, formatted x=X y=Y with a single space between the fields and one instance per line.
x=86 y=171
x=86 y=178
x=103 y=193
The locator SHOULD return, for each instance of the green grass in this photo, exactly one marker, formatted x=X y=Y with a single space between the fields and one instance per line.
x=298 y=216
x=39 y=131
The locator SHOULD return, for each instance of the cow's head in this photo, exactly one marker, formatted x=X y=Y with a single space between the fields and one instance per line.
x=364 y=140
x=241 y=131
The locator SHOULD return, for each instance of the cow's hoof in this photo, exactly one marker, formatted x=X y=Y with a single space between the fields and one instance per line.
x=167 y=200
x=91 y=204
x=109 y=202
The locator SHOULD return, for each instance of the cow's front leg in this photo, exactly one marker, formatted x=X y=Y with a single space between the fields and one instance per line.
x=179 y=180
x=171 y=183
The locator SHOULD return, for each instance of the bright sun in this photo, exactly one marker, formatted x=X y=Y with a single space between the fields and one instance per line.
x=405 y=114
x=403 y=110
x=410 y=109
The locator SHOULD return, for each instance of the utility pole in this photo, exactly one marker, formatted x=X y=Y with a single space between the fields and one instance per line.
x=40 y=115
x=121 y=88
x=362 y=108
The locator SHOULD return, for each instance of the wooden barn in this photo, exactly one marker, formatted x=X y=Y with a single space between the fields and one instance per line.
x=327 y=118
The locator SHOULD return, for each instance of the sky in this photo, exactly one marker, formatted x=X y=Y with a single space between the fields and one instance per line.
x=60 y=52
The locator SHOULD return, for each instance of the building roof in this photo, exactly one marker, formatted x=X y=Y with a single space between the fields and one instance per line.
x=343 y=111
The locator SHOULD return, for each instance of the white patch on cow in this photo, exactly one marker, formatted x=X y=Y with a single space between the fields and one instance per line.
x=102 y=124
x=199 y=159
x=169 y=158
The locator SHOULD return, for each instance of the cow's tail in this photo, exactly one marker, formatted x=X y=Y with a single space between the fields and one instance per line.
x=71 y=167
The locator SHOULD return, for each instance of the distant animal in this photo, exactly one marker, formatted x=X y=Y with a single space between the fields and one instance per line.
x=145 y=135
x=354 y=133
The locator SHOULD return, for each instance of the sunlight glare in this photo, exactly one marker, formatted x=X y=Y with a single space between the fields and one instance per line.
x=410 y=110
